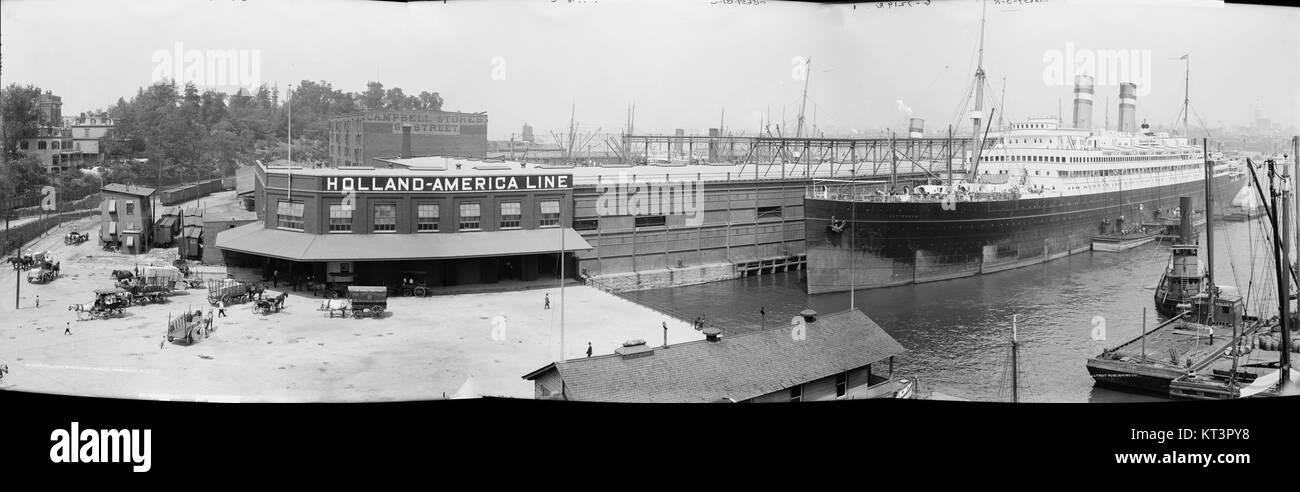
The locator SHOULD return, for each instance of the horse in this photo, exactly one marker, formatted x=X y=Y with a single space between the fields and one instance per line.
x=82 y=308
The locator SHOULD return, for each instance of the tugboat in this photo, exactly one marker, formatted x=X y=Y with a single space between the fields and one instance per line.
x=1182 y=280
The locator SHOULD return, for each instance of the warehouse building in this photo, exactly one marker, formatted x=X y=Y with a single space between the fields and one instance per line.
x=432 y=221
x=357 y=139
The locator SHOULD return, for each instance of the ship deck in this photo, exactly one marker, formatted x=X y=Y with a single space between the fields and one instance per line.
x=1163 y=353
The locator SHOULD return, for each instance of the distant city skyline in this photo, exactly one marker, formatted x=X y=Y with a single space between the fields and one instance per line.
x=681 y=63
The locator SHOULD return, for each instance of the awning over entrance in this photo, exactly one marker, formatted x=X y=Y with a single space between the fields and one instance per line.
x=256 y=239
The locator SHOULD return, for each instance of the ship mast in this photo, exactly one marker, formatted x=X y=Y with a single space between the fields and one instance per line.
x=977 y=114
x=1187 y=77
x=807 y=74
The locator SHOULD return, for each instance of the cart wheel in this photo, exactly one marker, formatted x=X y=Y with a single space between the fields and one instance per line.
x=377 y=310
x=408 y=292
x=170 y=339
x=421 y=292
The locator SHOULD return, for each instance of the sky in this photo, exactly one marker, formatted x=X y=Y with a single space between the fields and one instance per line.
x=684 y=64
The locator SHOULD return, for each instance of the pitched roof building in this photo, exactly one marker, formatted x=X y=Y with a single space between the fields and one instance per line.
x=837 y=356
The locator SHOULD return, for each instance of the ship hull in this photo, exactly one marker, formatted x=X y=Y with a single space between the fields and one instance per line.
x=900 y=243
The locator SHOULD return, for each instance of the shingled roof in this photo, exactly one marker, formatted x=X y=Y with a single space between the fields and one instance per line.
x=738 y=367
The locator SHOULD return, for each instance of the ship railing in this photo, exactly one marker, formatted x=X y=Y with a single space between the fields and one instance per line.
x=877 y=195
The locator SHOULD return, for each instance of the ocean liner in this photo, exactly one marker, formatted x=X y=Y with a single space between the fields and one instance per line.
x=1036 y=191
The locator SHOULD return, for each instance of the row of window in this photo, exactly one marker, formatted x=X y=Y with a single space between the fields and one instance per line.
x=43 y=145
x=289 y=215
x=1083 y=160
x=841 y=387
x=112 y=206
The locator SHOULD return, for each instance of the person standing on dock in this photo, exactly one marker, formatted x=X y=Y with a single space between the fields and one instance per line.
x=67 y=328
x=548 y=302
x=665 y=333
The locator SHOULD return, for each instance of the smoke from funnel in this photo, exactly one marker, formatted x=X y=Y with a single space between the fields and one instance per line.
x=903 y=107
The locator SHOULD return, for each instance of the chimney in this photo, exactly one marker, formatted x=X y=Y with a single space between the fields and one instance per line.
x=1128 y=107
x=916 y=128
x=1185 y=229
x=632 y=349
x=1083 y=102
x=713 y=334
x=809 y=316
x=406 y=141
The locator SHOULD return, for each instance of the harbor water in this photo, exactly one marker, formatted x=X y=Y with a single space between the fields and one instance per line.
x=958 y=332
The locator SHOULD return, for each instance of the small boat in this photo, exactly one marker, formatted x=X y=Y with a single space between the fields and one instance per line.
x=1124 y=241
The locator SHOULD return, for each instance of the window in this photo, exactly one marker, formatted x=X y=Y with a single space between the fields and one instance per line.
x=55 y=144
x=469 y=217
x=40 y=145
x=510 y=215
x=796 y=393
x=23 y=145
x=586 y=224
x=288 y=215
x=130 y=208
x=769 y=212
x=841 y=384
x=385 y=217
x=550 y=213
x=340 y=218
x=426 y=217
x=651 y=221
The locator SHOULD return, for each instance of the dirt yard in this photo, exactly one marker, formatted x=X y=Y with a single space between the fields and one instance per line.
x=422 y=348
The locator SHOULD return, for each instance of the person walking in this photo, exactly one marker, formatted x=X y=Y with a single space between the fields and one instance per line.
x=588 y=349
x=275 y=278
x=67 y=328
x=548 y=301
x=38 y=300
x=221 y=308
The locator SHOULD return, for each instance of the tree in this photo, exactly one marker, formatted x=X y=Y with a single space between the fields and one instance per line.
x=373 y=98
x=21 y=116
x=23 y=174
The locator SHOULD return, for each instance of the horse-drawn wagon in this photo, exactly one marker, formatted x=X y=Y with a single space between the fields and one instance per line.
x=232 y=291
x=368 y=300
x=271 y=302
x=190 y=327
x=43 y=272
x=74 y=237
x=108 y=302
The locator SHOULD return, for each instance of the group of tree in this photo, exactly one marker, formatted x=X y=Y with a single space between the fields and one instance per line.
x=166 y=135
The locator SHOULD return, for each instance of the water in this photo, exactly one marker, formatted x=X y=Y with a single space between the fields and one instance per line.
x=958 y=332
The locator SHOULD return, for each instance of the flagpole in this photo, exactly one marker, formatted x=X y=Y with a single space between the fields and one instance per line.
x=562 y=292
x=290 y=188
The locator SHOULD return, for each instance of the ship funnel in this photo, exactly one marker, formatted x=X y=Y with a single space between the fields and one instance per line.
x=1185 y=228
x=1128 y=107
x=916 y=128
x=1083 y=102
